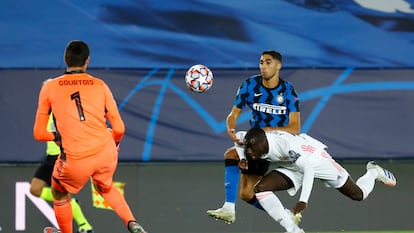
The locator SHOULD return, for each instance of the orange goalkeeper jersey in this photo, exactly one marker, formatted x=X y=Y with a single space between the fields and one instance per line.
x=81 y=105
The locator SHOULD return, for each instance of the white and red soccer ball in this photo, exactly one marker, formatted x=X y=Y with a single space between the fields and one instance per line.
x=199 y=78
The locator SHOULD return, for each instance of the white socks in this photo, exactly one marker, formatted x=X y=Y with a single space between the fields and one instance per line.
x=275 y=209
x=366 y=182
x=230 y=206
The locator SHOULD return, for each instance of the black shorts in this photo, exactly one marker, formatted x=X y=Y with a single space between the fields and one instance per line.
x=44 y=172
x=257 y=167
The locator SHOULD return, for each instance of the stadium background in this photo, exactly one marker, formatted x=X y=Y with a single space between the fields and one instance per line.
x=350 y=61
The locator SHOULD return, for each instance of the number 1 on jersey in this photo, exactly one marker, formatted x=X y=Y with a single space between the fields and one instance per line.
x=76 y=96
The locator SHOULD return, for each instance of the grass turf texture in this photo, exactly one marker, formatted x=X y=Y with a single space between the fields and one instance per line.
x=356 y=232
x=364 y=232
x=361 y=232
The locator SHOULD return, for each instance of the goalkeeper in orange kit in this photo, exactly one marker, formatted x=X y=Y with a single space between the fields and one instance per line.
x=81 y=106
x=41 y=182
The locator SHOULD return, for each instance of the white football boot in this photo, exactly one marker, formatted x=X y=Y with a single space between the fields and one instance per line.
x=223 y=214
x=384 y=175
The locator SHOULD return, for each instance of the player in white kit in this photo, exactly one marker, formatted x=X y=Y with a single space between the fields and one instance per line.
x=300 y=160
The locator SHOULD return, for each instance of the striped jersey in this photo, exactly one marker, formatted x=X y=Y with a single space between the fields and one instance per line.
x=270 y=107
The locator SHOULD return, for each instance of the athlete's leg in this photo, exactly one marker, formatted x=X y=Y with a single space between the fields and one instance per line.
x=353 y=191
x=365 y=184
x=117 y=202
x=69 y=176
x=256 y=170
x=120 y=206
x=41 y=181
x=264 y=189
x=36 y=187
x=39 y=188
x=105 y=166
x=62 y=207
x=246 y=190
x=273 y=181
x=79 y=217
x=231 y=183
x=231 y=177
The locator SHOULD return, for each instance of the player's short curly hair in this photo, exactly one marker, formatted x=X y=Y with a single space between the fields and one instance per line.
x=254 y=135
x=255 y=144
x=276 y=55
x=76 y=53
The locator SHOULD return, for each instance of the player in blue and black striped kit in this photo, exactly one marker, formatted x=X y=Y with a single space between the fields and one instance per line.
x=275 y=106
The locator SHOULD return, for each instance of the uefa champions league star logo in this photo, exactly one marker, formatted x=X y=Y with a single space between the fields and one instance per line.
x=280 y=99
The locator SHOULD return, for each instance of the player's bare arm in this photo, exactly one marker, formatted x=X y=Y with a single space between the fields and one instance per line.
x=307 y=184
x=231 y=122
x=294 y=125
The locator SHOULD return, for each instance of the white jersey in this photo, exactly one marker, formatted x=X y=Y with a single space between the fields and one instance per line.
x=301 y=158
x=284 y=146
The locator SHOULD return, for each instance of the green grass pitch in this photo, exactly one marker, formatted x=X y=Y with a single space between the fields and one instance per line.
x=365 y=232
x=358 y=232
x=405 y=231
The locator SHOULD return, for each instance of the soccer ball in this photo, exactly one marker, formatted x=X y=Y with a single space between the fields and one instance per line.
x=199 y=78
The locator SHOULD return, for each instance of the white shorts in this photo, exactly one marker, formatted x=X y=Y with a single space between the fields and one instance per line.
x=326 y=169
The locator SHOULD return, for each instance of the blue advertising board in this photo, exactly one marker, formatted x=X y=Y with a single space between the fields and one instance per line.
x=358 y=113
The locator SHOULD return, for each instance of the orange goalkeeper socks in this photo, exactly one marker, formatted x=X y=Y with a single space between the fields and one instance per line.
x=118 y=203
x=63 y=212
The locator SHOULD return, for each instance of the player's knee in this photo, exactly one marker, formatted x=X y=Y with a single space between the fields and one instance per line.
x=351 y=190
x=246 y=194
x=35 y=191
x=102 y=189
x=260 y=187
x=231 y=158
x=59 y=195
x=231 y=153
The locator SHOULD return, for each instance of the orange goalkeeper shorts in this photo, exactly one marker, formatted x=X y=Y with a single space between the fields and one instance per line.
x=71 y=175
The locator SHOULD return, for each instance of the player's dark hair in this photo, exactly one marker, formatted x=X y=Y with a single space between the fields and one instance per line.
x=274 y=54
x=255 y=143
x=76 y=53
x=254 y=135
